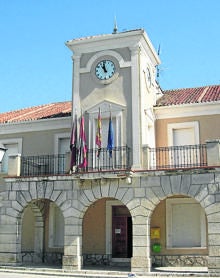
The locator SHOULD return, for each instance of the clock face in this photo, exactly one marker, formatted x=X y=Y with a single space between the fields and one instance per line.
x=105 y=69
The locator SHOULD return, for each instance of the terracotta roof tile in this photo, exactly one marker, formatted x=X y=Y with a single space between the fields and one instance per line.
x=190 y=95
x=52 y=110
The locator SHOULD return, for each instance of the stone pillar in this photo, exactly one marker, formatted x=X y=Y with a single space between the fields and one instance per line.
x=214 y=240
x=135 y=110
x=14 y=165
x=72 y=259
x=10 y=244
x=76 y=84
x=213 y=152
x=141 y=261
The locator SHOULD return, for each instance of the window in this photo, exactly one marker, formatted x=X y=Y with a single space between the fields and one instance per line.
x=184 y=134
x=186 y=217
x=13 y=147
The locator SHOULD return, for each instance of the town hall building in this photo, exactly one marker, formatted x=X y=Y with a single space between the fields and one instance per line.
x=140 y=185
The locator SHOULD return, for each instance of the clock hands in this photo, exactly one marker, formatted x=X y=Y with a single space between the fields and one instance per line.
x=104 y=67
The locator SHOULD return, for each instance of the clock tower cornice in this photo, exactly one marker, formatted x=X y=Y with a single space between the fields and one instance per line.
x=112 y=41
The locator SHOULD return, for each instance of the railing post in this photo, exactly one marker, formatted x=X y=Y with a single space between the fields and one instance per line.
x=213 y=152
x=14 y=165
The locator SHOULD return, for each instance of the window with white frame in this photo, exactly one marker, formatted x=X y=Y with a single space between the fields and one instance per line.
x=14 y=147
x=56 y=227
x=185 y=224
x=184 y=134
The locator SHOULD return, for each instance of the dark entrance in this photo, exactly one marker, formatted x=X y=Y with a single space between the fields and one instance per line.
x=121 y=232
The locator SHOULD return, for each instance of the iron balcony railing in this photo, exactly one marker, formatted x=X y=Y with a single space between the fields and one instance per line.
x=187 y=156
x=43 y=165
x=60 y=164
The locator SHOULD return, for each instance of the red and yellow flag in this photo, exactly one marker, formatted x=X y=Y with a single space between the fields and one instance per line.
x=98 y=139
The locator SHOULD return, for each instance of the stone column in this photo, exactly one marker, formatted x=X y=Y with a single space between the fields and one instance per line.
x=10 y=233
x=213 y=152
x=72 y=259
x=213 y=239
x=135 y=87
x=141 y=261
x=76 y=84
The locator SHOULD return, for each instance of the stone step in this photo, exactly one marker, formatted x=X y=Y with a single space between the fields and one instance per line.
x=97 y=273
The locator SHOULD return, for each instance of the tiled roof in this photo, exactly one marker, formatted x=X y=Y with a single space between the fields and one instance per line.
x=190 y=95
x=52 y=110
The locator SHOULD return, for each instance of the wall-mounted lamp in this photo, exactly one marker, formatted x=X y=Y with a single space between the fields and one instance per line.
x=2 y=152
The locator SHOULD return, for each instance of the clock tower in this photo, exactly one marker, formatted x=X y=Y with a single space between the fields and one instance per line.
x=116 y=74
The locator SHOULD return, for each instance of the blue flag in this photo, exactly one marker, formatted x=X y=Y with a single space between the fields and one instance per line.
x=110 y=145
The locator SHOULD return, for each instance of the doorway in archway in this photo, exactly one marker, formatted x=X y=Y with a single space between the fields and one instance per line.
x=121 y=232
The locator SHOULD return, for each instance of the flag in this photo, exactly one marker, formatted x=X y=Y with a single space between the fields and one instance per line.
x=98 y=138
x=110 y=136
x=73 y=144
x=82 y=146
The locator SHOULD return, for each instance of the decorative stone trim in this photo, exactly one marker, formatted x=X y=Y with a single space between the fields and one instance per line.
x=96 y=259
x=49 y=257
x=179 y=260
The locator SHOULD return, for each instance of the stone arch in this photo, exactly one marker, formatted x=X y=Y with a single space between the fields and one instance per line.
x=39 y=195
x=100 y=243
x=149 y=191
x=158 y=188
x=173 y=217
x=93 y=190
x=35 y=255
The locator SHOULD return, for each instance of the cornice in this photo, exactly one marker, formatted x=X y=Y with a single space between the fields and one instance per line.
x=113 y=41
x=187 y=110
x=37 y=125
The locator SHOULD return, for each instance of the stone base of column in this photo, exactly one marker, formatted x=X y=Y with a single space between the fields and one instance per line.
x=140 y=265
x=214 y=266
x=72 y=262
x=13 y=259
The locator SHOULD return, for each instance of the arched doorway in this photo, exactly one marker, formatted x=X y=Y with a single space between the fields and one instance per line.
x=107 y=234
x=42 y=233
x=179 y=233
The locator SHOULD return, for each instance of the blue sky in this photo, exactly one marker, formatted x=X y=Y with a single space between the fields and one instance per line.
x=36 y=66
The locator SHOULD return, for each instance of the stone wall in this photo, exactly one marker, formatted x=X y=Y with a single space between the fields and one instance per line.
x=141 y=194
x=179 y=260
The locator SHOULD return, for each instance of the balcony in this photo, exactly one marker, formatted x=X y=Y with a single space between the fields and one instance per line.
x=153 y=159
x=60 y=164
x=189 y=156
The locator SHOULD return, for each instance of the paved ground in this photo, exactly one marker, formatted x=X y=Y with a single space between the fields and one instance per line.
x=30 y=275
x=93 y=272
x=39 y=272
